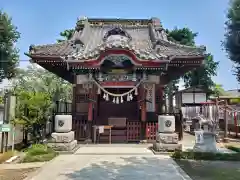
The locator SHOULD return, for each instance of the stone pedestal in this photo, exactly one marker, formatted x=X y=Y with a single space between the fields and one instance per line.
x=206 y=143
x=63 y=138
x=63 y=146
x=167 y=138
x=167 y=142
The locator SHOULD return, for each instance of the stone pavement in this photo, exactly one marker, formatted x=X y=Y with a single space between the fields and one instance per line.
x=124 y=165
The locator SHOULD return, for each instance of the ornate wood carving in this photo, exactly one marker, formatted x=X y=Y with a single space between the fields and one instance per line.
x=150 y=97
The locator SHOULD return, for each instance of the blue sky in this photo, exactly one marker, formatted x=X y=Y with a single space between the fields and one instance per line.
x=41 y=21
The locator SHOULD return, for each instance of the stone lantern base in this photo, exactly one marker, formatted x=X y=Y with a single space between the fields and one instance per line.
x=63 y=141
x=208 y=143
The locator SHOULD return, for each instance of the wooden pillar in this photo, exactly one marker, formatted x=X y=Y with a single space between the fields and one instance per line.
x=143 y=113
x=74 y=96
x=159 y=99
x=90 y=116
x=235 y=123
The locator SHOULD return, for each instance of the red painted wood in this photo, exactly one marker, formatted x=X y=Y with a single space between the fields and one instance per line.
x=90 y=107
x=143 y=105
x=151 y=130
x=96 y=62
x=126 y=83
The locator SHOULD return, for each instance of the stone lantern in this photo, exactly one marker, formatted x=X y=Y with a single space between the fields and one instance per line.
x=205 y=136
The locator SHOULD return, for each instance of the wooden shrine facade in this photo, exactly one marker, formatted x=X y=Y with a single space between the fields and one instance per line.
x=118 y=68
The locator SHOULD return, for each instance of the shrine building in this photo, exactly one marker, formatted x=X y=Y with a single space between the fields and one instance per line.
x=118 y=68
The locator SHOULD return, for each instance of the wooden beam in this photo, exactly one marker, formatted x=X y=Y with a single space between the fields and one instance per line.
x=59 y=71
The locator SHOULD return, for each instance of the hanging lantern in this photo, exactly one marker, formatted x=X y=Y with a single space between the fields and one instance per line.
x=136 y=92
x=121 y=99
x=114 y=100
x=117 y=100
x=104 y=96
x=99 y=91
x=107 y=97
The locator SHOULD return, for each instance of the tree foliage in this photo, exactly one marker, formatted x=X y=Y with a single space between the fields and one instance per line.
x=219 y=91
x=232 y=35
x=36 y=79
x=32 y=111
x=37 y=90
x=9 y=57
x=202 y=76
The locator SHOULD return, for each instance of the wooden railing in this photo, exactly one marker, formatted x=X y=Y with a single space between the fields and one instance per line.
x=80 y=127
x=151 y=131
x=133 y=131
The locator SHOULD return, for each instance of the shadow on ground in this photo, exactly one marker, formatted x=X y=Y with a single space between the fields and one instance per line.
x=127 y=168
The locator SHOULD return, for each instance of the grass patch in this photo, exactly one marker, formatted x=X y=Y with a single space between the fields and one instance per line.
x=234 y=148
x=206 y=156
x=205 y=170
x=6 y=155
x=39 y=153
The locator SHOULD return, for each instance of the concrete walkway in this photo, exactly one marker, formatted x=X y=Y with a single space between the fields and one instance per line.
x=141 y=164
x=113 y=150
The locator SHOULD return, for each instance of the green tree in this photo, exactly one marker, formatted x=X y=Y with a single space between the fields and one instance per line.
x=232 y=35
x=35 y=79
x=9 y=57
x=203 y=75
x=219 y=91
x=33 y=110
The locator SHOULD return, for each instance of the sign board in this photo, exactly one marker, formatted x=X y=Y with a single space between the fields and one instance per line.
x=200 y=97
x=5 y=127
x=187 y=98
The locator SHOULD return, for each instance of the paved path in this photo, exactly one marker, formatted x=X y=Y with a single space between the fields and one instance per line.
x=121 y=166
x=114 y=150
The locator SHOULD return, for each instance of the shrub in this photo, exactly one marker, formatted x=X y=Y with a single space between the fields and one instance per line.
x=206 y=156
x=39 y=153
x=37 y=149
x=39 y=158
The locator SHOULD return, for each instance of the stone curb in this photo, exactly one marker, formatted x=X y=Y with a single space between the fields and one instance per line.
x=70 y=152
x=181 y=172
x=113 y=154
x=159 y=152
x=22 y=165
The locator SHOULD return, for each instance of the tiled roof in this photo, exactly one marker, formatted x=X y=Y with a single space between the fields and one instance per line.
x=146 y=38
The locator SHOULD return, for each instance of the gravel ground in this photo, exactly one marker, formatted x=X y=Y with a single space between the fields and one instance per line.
x=16 y=174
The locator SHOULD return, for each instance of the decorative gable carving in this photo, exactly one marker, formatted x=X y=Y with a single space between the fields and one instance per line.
x=116 y=31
